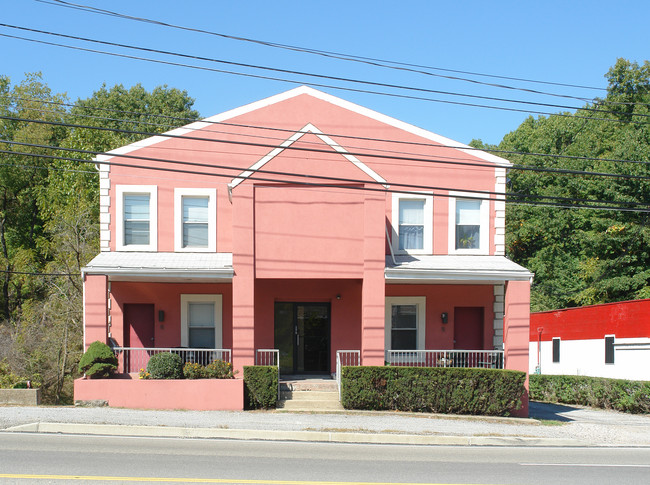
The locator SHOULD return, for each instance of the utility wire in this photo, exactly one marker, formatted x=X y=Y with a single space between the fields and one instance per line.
x=317 y=150
x=328 y=181
x=347 y=57
x=303 y=73
x=350 y=89
x=331 y=135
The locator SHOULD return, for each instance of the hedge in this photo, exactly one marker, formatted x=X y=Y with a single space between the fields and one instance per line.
x=165 y=365
x=599 y=392
x=436 y=390
x=260 y=386
x=98 y=361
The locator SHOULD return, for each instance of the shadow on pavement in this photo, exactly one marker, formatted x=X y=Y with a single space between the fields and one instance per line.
x=544 y=410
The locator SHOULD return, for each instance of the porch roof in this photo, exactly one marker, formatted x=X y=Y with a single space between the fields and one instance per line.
x=143 y=266
x=454 y=269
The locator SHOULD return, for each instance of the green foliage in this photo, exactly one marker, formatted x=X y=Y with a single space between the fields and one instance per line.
x=217 y=369
x=436 y=390
x=165 y=365
x=260 y=386
x=582 y=256
x=98 y=361
x=619 y=394
x=49 y=213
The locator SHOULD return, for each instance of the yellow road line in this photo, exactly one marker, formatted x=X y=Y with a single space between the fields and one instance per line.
x=199 y=480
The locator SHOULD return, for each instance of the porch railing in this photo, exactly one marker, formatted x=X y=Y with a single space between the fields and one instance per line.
x=132 y=359
x=345 y=358
x=486 y=359
x=269 y=357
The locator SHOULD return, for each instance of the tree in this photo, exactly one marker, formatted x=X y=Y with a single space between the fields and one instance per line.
x=583 y=256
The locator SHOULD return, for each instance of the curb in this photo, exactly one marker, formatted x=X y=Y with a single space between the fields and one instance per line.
x=281 y=435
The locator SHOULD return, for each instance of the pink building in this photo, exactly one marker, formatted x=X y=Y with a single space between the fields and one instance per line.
x=285 y=228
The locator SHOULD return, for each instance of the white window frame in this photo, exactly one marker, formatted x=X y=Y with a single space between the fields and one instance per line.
x=421 y=324
x=484 y=243
x=427 y=246
x=152 y=192
x=211 y=194
x=186 y=299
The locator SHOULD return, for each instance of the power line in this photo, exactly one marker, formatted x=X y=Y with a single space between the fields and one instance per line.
x=303 y=73
x=31 y=273
x=329 y=86
x=316 y=150
x=358 y=184
x=286 y=130
x=337 y=55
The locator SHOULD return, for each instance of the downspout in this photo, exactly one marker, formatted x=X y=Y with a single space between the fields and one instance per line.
x=390 y=246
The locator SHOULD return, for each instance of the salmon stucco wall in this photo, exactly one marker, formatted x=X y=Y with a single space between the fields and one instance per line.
x=191 y=394
x=444 y=299
x=95 y=309
x=516 y=330
x=345 y=316
x=166 y=297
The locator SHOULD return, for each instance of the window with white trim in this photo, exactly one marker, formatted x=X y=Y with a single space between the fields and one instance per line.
x=201 y=321
x=137 y=218
x=469 y=226
x=405 y=322
x=412 y=223
x=195 y=218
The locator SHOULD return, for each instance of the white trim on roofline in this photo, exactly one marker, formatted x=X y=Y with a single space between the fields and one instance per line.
x=197 y=125
x=308 y=128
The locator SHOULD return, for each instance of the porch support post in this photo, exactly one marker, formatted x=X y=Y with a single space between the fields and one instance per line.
x=516 y=332
x=95 y=309
x=374 y=285
x=243 y=282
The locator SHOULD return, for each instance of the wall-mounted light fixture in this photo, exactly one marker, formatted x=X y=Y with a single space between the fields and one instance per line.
x=161 y=315
x=444 y=317
x=338 y=296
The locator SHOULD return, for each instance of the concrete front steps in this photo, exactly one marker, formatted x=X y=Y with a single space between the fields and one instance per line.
x=298 y=393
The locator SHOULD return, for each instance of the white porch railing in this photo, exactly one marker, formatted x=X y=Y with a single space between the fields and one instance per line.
x=486 y=359
x=269 y=357
x=132 y=359
x=345 y=358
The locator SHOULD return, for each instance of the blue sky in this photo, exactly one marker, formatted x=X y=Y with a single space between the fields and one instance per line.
x=572 y=42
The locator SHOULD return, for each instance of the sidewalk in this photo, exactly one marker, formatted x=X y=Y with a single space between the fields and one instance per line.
x=557 y=425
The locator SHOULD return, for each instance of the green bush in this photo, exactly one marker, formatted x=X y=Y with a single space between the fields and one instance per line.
x=98 y=361
x=165 y=365
x=598 y=392
x=217 y=369
x=436 y=390
x=260 y=386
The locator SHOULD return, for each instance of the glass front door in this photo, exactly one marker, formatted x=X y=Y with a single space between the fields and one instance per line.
x=302 y=334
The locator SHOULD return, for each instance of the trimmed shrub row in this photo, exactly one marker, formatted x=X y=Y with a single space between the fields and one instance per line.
x=437 y=390
x=599 y=392
x=260 y=386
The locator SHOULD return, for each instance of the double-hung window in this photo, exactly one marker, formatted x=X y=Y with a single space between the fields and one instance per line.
x=136 y=210
x=201 y=321
x=412 y=223
x=405 y=322
x=195 y=220
x=469 y=226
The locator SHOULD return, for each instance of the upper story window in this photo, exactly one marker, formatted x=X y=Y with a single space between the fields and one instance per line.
x=412 y=223
x=136 y=211
x=195 y=218
x=469 y=226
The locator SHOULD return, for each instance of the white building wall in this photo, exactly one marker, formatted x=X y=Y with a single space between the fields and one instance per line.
x=587 y=358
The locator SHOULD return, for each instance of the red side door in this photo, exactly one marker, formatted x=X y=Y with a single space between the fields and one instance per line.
x=138 y=333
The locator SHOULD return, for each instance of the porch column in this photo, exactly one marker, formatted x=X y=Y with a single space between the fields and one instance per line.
x=374 y=285
x=95 y=308
x=516 y=332
x=243 y=282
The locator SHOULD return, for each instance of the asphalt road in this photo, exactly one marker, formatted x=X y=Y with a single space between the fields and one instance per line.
x=39 y=458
